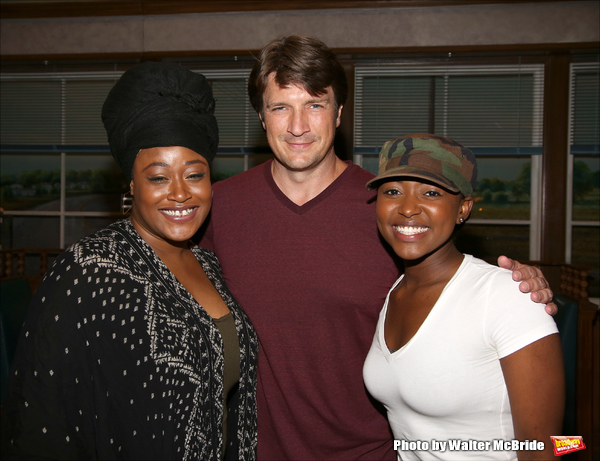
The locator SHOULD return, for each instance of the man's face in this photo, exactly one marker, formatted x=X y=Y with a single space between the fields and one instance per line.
x=300 y=127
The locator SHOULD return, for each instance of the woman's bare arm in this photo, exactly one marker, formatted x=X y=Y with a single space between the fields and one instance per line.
x=534 y=377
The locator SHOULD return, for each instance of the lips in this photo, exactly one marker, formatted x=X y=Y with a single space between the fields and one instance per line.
x=300 y=141
x=299 y=145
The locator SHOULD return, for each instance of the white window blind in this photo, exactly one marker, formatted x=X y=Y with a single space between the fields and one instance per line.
x=584 y=124
x=53 y=111
x=492 y=109
x=60 y=112
x=239 y=128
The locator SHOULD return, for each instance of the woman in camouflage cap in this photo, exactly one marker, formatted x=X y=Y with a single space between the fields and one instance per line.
x=461 y=359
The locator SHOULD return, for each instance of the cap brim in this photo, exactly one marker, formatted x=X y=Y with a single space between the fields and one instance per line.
x=404 y=173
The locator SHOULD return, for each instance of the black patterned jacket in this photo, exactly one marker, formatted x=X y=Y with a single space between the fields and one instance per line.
x=116 y=360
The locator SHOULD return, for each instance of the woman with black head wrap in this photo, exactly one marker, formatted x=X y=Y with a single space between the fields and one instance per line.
x=134 y=348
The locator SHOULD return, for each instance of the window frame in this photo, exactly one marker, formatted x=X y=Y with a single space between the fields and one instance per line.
x=570 y=223
x=64 y=149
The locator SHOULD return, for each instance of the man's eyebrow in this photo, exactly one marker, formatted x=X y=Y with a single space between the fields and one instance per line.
x=318 y=99
x=310 y=101
x=273 y=103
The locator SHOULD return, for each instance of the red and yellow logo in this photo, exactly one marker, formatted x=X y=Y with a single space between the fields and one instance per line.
x=564 y=445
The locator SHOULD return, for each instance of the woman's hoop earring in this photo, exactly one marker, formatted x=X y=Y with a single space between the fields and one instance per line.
x=126 y=202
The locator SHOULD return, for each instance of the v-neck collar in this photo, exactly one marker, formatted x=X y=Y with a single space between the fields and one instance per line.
x=301 y=209
x=424 y=327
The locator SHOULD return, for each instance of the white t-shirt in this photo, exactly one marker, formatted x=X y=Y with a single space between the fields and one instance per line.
x=446 y=383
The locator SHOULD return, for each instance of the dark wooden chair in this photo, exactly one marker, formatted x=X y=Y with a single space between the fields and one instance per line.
x=579 y=324
x=29 y=263
x=21 y=271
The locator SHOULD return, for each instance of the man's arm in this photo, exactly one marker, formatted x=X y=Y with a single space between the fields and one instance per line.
x=532 y=281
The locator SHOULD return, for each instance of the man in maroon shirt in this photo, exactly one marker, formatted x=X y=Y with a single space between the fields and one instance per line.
x=298 y=243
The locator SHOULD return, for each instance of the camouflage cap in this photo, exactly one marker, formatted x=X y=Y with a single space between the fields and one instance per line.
x=428 y=156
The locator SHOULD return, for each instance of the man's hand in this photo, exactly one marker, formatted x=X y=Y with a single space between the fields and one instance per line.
x=532 y=281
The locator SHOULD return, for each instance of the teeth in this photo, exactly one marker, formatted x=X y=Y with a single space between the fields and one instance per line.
x=409 y=230
x=178 y=213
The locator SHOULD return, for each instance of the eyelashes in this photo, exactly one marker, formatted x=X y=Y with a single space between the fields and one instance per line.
x=193 y=176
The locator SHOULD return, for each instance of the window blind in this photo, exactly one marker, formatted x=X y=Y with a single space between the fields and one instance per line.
x=60 y=112
x=494 y=109
x=239 y=128
x=584 y=126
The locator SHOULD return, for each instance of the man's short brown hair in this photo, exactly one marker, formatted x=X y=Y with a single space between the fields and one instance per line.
x=298 y=60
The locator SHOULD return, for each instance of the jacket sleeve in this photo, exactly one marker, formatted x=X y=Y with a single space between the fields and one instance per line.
x=46 y=414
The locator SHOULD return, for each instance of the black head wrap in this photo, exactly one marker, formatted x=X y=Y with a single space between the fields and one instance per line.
x=160 y=105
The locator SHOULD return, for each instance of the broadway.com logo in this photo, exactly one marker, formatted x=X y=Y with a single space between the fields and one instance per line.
x=564 y=445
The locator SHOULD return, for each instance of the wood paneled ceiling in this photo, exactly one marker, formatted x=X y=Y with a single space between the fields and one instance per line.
x=15 y=9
